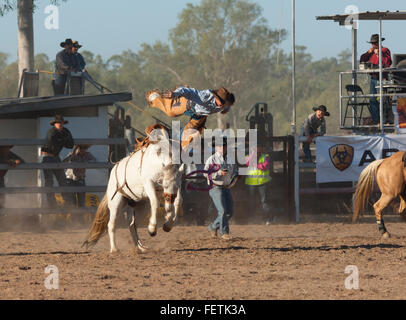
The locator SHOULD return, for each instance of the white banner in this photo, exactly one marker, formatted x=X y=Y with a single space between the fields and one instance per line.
x=342 y=158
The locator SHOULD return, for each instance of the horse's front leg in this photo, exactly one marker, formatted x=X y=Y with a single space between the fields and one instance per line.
x=172 y=212
x=153 y=199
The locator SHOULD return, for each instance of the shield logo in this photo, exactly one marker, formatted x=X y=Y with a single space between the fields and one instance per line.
x=341 y=156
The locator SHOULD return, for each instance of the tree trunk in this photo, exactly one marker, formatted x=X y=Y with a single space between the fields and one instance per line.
x=25 y=36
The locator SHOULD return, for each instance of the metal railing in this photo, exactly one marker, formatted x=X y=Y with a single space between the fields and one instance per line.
x=61 y=165
x=381 y=94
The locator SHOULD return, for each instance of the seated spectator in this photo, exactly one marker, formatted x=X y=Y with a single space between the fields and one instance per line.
x=76 y=176
x=80 y=64
x=65 y=63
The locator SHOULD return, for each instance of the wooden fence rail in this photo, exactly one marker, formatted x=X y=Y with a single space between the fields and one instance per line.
x=67 y=189
x=39 y=142
x=60 y=165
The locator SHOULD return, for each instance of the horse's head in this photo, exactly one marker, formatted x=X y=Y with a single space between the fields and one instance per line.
x=172 y=180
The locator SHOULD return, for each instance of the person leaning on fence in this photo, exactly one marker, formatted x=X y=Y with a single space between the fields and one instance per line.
x=57 y=138
x=311 y=125
x=372 y=56
x=76 y=176
x=199 y=104
x=257 y=180
x=65 y=62
x=222 y=180
x=10 y=158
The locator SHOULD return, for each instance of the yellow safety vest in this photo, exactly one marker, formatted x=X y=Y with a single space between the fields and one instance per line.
x=257 y=177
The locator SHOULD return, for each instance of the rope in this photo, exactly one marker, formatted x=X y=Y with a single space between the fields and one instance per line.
x=212 y=169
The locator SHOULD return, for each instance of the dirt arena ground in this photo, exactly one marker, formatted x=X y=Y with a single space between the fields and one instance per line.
x=281 y=261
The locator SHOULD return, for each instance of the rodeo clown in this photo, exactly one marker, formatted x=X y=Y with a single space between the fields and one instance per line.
x=197 y=104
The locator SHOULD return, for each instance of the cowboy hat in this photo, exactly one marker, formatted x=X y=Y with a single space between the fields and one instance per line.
x=322 y=108
x=224 y=95
x=67 y=41
x=375 y=38
x=58 y=119
x=76 y=44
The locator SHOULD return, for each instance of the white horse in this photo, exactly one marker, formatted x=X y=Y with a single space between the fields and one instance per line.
x=146 y=174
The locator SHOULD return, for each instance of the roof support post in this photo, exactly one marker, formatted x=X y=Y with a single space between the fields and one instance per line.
x=354 y=62
x=380 y=78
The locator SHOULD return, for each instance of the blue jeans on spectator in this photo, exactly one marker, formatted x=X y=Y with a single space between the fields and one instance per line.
x=373 y=102
x=306 y=148
x=60 y=83
x=224 y=204
x=49 y=180
x=262 y=191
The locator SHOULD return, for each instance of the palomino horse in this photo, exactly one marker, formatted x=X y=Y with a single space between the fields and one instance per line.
x=147 y=173
x=390 y=176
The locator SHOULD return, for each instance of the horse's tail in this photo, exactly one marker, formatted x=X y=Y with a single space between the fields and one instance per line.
x=366 y=183
x=99 y=225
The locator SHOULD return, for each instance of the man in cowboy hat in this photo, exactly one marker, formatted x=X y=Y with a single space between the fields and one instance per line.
x=197 y=104
x=80 y=63
x=311 y=125
x=10 y=158
x=57 y=138
x=65 y=62
x=76 y=176
x=372 y=57
x=222 y=180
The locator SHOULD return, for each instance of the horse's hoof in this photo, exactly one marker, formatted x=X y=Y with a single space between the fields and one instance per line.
x=152 y=234
x=113 y=251
x=141 y=249
x=166 y=228
x=386 y=235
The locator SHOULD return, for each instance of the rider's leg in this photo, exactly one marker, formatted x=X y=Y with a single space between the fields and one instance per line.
x=188 y=135
x=171 y=107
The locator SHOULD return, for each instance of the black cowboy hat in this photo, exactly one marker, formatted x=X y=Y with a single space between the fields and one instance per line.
x=322 y=108
x=375 y=38
x=224 y=95
x=67 y=41
x=76 y=44
x=58 y=119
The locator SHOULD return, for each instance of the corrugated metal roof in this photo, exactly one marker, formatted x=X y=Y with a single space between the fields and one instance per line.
x=368 y=15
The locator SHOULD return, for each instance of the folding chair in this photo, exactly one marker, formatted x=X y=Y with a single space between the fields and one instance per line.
x=356 y=103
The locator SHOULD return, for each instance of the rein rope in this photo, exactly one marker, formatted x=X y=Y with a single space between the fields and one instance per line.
x=192 y=175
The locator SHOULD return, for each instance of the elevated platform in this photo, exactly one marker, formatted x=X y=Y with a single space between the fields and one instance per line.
x=78 y=105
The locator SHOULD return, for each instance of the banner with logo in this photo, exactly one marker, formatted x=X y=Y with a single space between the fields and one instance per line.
x=342 y=158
